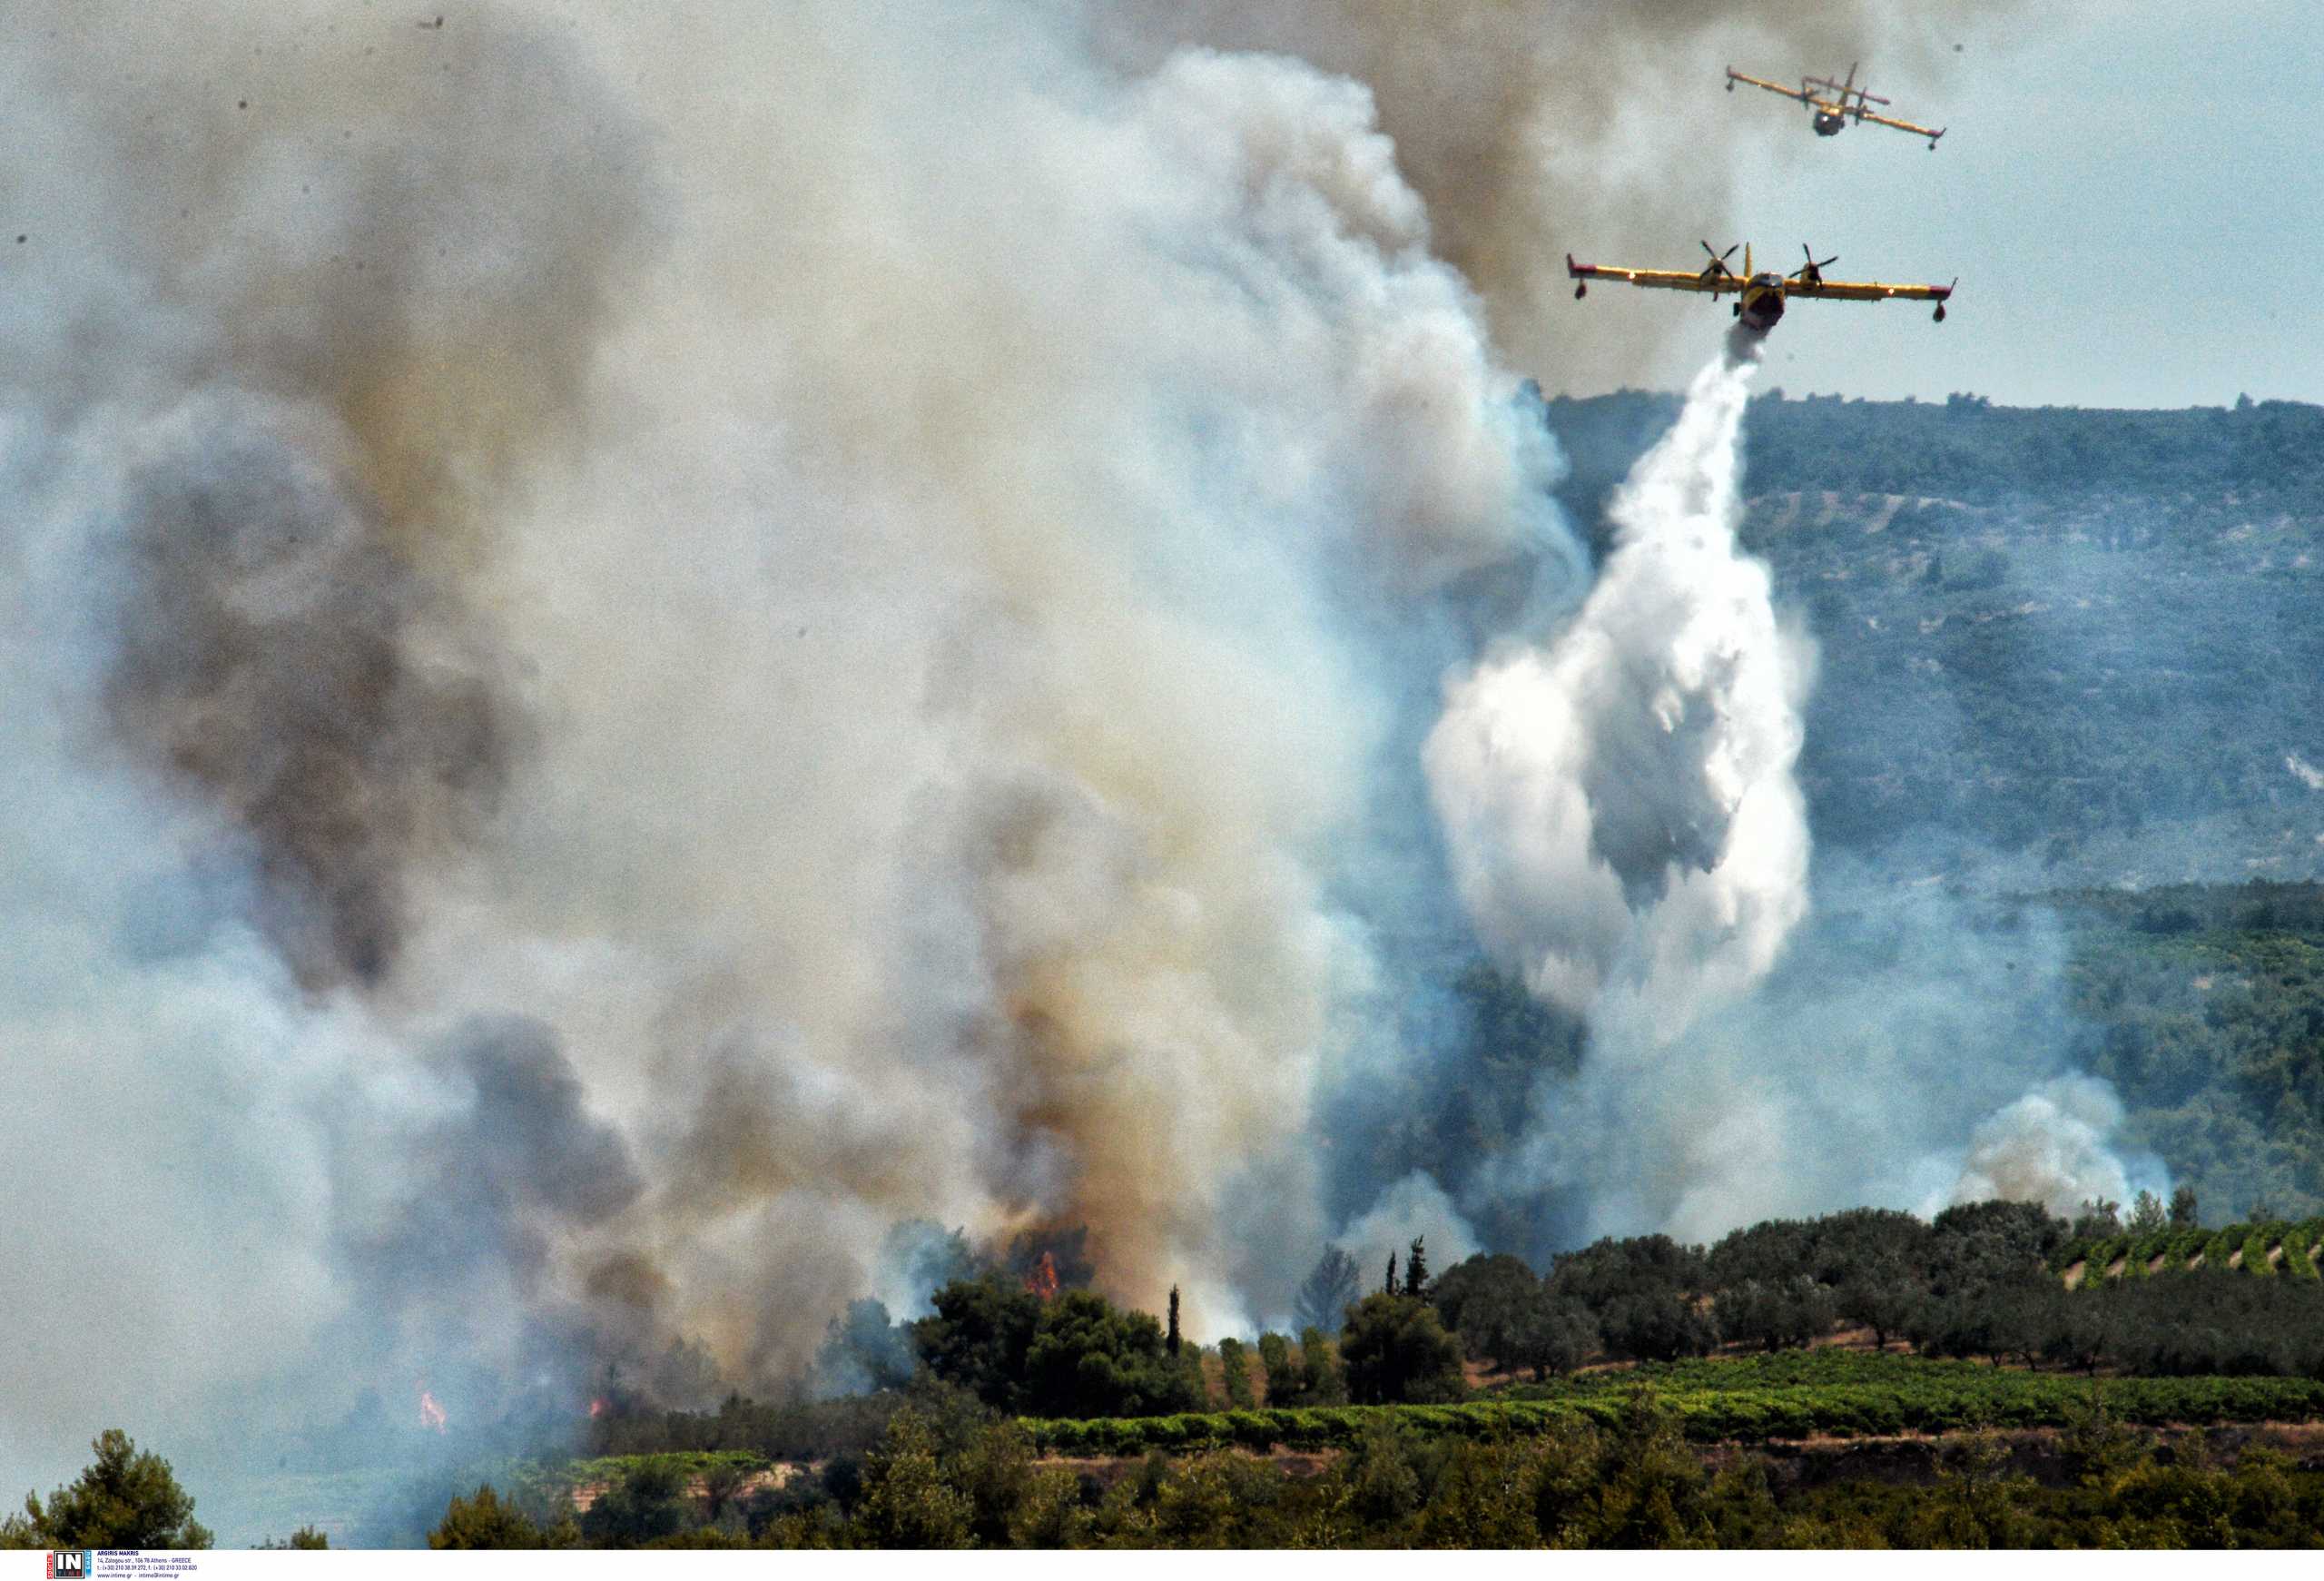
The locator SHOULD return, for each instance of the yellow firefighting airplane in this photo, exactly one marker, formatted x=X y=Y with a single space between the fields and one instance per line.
x=1759 y=297
x=1834 y=104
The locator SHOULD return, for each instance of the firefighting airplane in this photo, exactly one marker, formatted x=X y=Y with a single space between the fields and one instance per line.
x=1834 y=104
x=1759 y=297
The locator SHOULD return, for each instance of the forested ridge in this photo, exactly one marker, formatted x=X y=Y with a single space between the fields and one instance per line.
x=2078 y=644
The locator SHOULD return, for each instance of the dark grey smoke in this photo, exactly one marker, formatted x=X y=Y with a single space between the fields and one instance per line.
x=280 y=659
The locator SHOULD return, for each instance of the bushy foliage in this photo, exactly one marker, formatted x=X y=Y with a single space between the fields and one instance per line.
x=980 y=1337
x=1394 y=1348
x=1234 y=1374
x=1088 y=1357
x=484 y=1520
x=127 y=1497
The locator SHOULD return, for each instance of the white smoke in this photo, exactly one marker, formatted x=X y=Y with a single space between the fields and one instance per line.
x=1414 y=1208
x=1620 y=803
x=1628 y=836
x=2051 y=1147
x=635 y=681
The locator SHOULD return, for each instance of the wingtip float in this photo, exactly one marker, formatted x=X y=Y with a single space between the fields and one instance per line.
x=1760 y=296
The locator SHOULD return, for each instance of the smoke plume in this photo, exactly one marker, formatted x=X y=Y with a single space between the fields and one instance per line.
x=643 y=646
x=650 y=646
x=1630 y=838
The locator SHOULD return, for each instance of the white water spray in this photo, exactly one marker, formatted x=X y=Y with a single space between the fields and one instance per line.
x=1628 y=833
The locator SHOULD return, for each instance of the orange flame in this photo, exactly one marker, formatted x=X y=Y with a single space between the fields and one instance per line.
x=1042 y=1280
x=598 y=1407
x=432 y=1414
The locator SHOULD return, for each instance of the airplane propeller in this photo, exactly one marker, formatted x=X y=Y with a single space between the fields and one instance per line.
x=1812 y=272
x=1717 y=264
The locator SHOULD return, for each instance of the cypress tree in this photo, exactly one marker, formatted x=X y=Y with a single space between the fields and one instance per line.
x=1170 y=1340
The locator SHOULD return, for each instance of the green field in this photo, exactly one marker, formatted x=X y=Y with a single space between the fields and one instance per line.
x=1795 y=1395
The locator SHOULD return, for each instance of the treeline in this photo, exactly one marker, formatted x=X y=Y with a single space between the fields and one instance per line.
x=956 y=1478
x=1967 y=448
x=2204 y=1005
x=1980 y=1280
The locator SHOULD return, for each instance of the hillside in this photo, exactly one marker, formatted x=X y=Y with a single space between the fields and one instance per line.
x=2057 y=646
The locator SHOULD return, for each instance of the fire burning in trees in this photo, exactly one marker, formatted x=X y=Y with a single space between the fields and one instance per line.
x=1042 y=1280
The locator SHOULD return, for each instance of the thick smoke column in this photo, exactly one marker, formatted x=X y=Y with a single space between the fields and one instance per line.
x=648 y=647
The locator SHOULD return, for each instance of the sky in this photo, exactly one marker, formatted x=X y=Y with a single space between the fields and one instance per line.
x=2129 y=194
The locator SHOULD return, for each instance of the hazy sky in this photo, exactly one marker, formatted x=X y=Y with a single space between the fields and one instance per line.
x=2131 y=197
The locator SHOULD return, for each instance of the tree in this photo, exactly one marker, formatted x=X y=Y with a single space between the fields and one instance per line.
x=1170 y=1339
x=1488 y=1278
x=1235 y=1373
x=1087 y=1358
x=1502 y=1313
x=1880 y=1294
x=2182 y=1208
x=1282 y=1378
x=2101 y=1219
x=644 y=1507
x=304 y=1538
x=2146 y=1214
x=1322 y=1382
x=482 y=1520
x=1651 y=1486
x=1416 y=1271
x=1658 y=1326
x=1322 y=1299
x=1388 y=1286
x=978 y=1336
x=1395 y=1348
x=126 y=1499
x=907 y=1501
x=1775 y=1313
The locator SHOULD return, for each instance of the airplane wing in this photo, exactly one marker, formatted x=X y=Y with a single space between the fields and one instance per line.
x=1656 y=279
x=1866 y=290
x=1734 y=76
x=1931 y=132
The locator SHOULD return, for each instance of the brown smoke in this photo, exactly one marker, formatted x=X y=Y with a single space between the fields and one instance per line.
x=346 y=302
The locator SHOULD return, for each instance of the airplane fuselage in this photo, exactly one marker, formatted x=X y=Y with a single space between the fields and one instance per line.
x=1762 y=305
x=1828 y=125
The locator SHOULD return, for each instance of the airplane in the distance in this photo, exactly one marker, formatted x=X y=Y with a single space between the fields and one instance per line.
x=1759 y=297
x=1832 y=105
